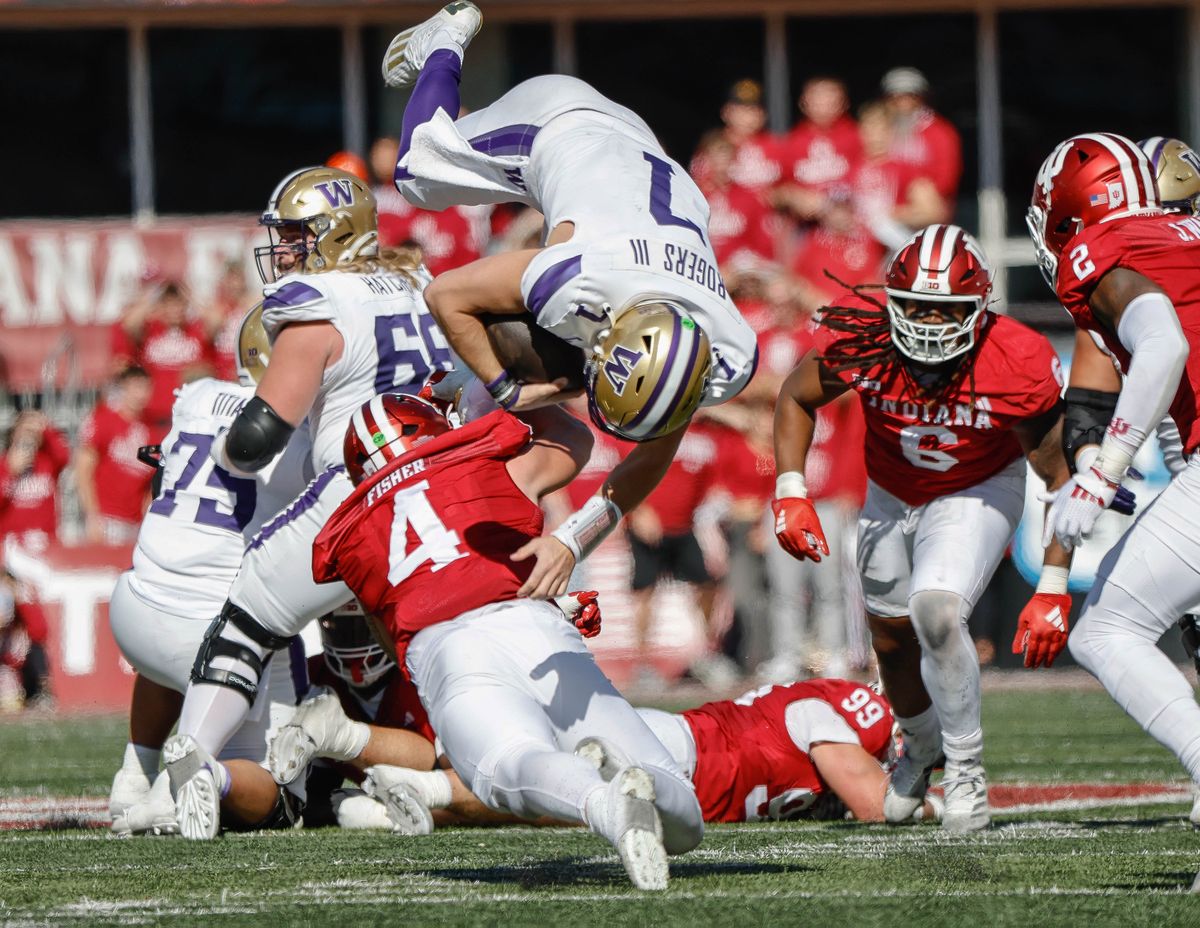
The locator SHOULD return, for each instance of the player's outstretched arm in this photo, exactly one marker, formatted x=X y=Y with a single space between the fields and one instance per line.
x=806 y=388
x=1042 y=626
x=856 y=777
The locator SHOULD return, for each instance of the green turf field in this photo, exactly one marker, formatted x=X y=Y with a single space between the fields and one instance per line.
x=1127 y=865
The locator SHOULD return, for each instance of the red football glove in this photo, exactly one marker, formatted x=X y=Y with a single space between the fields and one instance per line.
x=798 y=529
x=1042 y=628
x=582 y=609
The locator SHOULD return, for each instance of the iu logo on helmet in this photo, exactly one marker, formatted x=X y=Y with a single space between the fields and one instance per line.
x=620 y=367
x=337 y=192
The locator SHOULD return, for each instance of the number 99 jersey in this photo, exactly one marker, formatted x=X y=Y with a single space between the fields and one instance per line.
x=752 y=760
x=918 y=449
x=190 y=545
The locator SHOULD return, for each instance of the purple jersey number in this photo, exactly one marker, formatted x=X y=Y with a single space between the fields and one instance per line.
x=208 y=511
x=660 y=196
x=408 y=352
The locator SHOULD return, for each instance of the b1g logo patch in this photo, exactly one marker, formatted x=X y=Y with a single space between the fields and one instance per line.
x=337 y=192
x=619 y=367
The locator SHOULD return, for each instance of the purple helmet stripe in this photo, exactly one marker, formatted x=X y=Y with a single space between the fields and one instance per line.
x=292 y=294
x=507 y=140
x=550 y=281
x=676 y=330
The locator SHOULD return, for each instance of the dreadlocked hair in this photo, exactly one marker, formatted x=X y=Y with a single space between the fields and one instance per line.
x=870 y=345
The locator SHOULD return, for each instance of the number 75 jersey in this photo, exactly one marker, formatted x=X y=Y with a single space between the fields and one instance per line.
x=752 y=759
x=919 y=449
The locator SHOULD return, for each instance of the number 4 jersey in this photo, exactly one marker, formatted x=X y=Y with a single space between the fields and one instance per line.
x=429 y=537
x=919 y=449
x=752 y=753
x=191 y=541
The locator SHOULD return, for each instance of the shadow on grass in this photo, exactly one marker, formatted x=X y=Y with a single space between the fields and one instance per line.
x=577 y=872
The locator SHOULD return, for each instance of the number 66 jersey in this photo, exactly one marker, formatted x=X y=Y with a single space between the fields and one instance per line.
x=918 y=448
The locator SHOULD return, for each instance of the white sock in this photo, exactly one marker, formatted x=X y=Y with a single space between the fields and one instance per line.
x=594 y=807
x=968 y=748
x=432 y=787
x=348 y=741
x=922 y=735
x=211 y=714
x=140 y=757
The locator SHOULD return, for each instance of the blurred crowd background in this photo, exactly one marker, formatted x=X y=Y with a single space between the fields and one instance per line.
x=817 y=163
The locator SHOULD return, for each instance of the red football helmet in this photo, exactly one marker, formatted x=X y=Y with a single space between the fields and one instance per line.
x=1087 y=179
x=944 y=265
x=384 y=428
x=352 y=651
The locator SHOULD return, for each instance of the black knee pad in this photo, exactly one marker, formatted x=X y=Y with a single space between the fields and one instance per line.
x=214 y=645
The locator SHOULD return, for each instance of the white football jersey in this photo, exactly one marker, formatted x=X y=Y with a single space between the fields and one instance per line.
x=390 y=343
x=191 y=541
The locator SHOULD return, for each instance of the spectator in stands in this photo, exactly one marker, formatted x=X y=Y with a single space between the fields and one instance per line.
x=922 y=139
x=222 y=318
x=821 y=149
x=664 y=544
x=113 y=485
x=155 y=334
x=447 y=238
x=745 y=232
x=35 y=454
x=744 y=120
x=23 y=639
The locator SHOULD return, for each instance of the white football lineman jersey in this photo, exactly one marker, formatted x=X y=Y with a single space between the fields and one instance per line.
x=641 y=223
x=191 y=541
x=390 y=343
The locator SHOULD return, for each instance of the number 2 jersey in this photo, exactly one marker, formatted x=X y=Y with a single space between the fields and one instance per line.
x=190 y=545
x=752 y=760
x=429 y=537
x=1164 y=248
x=390 y=342
x=918 y=448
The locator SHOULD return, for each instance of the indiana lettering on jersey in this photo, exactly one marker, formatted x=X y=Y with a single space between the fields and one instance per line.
x=977 y=416
x=393 y=480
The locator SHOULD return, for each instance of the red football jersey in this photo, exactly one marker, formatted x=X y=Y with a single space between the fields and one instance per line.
x=1165 y=249
x=932 y=146
x=428 y=537
x=741 y=226
x=918 y=449
x=819 y=157
x=749 y=768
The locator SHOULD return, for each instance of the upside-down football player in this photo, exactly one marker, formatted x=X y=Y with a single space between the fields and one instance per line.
x=955 y=398
x=1129 y=273
x=523 y=712
x=627 y=273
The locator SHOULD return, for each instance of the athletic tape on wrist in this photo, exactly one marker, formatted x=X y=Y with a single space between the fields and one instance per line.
x=790 y=484
x=504 y=390
x=1053 y=579
x=589 y=525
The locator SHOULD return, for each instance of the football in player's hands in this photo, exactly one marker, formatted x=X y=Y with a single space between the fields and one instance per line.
x=1042 y=628
x=798 y=529
x=531 y=354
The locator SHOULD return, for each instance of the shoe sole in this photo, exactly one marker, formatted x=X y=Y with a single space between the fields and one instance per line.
x=297 y=747
x=197 y=801
x=608 y=759
x=640 y=847
x=408 y=815
x=393 y=58
x=965 y=824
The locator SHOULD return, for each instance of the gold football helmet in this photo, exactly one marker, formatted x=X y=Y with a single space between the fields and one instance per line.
x=1176 y=173
x=648 y=374
x=253 y=348
x=316 y=219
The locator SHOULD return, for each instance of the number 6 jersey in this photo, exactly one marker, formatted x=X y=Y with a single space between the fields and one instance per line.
x=919 y=449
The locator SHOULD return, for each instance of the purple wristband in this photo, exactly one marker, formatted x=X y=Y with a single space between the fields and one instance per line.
x=504 y=390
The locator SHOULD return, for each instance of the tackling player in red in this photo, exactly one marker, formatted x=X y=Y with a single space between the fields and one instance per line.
x=954 y=397
x=1129 y=274
x=525 y=716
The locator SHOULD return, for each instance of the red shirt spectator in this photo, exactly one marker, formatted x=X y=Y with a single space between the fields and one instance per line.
x=113 y=484
x=447 y=239
x=821 y=150
x=756 y=152
x=927 y=142
x=36 y=455
x=742 y=227
x=688 y=480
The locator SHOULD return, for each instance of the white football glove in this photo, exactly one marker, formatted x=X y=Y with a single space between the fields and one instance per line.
x=1075 y=507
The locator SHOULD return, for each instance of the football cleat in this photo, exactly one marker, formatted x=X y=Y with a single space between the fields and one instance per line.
x=357 y=811
x=965 y=789
x=407 y=814
x=154 y=815
x=194 y=786
x=454 y=24
x=632 y=824
x=907 y=786
x=129 y=787
x=606 y=757
x=319 y=728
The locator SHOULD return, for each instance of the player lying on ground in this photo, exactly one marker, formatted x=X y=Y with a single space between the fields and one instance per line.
x=1129 y=273
x=627 y=272
x=425 y=542
x=188 y=552
x=344 y=322
x=954 y=397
